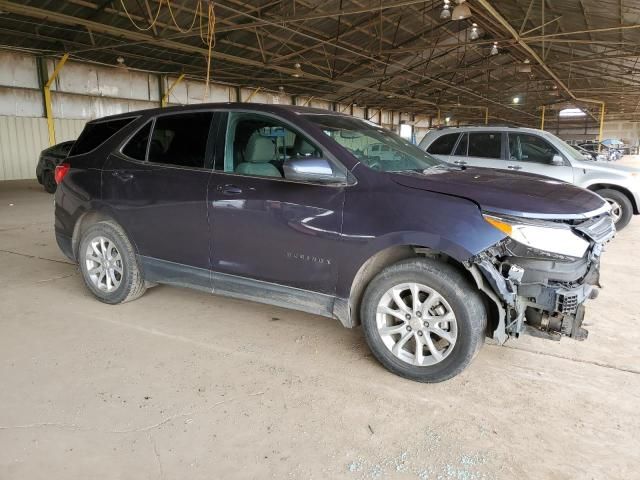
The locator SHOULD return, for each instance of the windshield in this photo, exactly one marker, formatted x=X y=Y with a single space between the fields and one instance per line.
x=574 y=153
x=373 y=145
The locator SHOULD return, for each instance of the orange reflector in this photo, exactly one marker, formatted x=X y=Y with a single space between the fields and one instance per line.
x=502 y=226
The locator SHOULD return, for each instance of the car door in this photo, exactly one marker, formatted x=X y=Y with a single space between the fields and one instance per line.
x=157 y=184
x=483 y=149
x=528 y=152
x=269 y=231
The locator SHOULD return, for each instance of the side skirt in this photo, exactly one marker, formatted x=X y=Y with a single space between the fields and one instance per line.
x=170 y=273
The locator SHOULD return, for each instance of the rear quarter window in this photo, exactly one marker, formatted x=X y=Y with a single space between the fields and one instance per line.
x=95 y=134
x=444 y=144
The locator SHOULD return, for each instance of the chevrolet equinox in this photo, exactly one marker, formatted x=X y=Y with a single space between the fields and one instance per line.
x=289 y=206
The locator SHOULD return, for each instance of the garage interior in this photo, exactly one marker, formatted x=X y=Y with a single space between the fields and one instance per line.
x=184 y=384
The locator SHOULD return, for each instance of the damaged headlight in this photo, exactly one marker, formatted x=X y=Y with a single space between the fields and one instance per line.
x=546 y=236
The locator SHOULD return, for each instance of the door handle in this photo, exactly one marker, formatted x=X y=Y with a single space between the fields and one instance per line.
x=514 y=167
x=460 y=162
x=125 y=176
x=230 y=189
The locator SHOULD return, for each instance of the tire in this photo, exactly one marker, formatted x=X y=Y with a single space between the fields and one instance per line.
x=109 y=237
x=49 y=181
x=620 y=202
x=460 y=298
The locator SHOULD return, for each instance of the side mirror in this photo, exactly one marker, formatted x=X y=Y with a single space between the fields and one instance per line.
x=312 y=169
x=557 y=160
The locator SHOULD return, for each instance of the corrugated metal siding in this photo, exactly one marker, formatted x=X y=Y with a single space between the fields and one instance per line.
x=21 y=141
x=23 y=138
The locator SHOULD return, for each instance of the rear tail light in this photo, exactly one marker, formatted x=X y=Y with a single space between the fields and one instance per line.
x=61 y=171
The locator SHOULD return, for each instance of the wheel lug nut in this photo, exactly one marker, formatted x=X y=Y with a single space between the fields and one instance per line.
x=408 y=328
x=426 y=324
x=408 y=317
x=419 y=333
x=418 y=314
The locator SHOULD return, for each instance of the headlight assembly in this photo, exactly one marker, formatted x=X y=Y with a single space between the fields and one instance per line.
x=541 y=235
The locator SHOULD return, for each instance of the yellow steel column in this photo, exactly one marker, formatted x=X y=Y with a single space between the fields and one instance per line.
x=252 y=94
x=47 y=99
x=601 y=126
x=165 y=97
x=486 y=115
x=544 y=110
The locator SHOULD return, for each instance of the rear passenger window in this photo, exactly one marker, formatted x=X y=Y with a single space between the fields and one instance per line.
x=461 y=149
x=444 y=144
x=485 y=144
x=136 y=147
x=95 y=134
x=181 y=139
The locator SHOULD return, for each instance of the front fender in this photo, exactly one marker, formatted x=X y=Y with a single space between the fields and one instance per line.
x=410 y=217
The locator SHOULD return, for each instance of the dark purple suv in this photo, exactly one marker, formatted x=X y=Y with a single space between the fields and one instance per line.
x=290 y=206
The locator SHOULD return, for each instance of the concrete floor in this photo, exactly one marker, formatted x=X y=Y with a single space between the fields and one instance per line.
x=180 y=384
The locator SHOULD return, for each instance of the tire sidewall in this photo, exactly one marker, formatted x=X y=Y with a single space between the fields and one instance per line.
x=49 y=182
x=468 y=340
x=128 y=262
x=623 y=201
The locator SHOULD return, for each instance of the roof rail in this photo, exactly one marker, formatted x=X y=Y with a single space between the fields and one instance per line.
x=507 y=125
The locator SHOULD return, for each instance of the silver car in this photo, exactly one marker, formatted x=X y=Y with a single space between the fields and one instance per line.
x=536 y=151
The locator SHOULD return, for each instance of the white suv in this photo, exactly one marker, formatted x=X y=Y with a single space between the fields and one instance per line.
x=536 y=151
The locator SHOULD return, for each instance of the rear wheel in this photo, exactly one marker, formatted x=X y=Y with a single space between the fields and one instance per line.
x=423 y=320
x=108 y=264
x=621 y=208
x=49 y=181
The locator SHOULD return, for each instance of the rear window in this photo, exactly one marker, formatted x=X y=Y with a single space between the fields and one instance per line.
x=95 y=134
x=444 y=144
x=180 y=139
x=485 y=144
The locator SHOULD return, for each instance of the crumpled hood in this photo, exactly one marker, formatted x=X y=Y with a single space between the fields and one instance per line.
x=516 y=194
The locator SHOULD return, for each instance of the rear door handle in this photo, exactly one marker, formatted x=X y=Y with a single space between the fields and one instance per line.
x=460 y=162
x=122 y=175
x=230 y=189
x=514 y=167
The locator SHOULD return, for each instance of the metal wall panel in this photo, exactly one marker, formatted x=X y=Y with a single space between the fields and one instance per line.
x=18 y=70
x=21 y=141
x=21 y=102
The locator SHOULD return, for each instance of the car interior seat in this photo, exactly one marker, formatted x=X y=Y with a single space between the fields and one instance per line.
x=257 y=155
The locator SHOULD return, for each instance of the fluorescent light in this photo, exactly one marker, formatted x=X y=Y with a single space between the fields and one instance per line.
x=571 y=112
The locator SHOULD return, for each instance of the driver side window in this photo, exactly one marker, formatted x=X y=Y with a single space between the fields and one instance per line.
x=530 y=148
x=258 y=145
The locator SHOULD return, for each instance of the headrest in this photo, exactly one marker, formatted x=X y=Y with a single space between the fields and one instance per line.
x=259 y=149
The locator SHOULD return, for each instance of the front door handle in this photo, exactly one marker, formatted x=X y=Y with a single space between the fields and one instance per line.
x=230 y=189
x=514 y=167
x=460 y=162
x=125 y=176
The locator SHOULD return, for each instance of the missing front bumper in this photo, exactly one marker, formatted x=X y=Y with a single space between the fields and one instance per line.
x=542 y=297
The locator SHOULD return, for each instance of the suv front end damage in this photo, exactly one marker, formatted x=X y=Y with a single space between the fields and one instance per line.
x=542 y=273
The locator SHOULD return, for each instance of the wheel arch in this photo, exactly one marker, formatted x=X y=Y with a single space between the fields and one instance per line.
x=384 y=258
x=599 y=186
x=91 y=217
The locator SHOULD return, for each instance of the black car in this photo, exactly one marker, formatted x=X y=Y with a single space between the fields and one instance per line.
x=49 y=159
x=284 y=205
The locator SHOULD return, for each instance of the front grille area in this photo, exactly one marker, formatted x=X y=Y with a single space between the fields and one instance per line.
x=599 y=229
x=566 y=304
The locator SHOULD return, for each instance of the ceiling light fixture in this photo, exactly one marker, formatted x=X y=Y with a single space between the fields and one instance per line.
x=461 y=11
x=494 y=48
x=298 y=72
x=445 y=14
x=516 y=100
x=474 y=35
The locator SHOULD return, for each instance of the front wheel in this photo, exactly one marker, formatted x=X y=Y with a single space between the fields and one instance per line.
x=423 y=320
x=621 y=208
